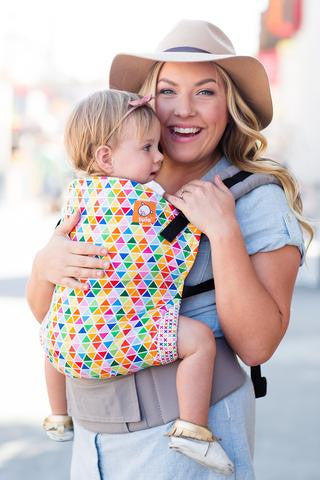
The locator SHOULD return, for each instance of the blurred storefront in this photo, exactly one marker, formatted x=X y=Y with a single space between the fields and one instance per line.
x=289 y=49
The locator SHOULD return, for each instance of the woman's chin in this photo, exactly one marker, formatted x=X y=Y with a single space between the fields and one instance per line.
x=183 y=152
x=182 y=157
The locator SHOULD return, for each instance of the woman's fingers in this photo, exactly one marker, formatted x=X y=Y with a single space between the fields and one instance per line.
x=196 y=187
x=68 y=223
x=219 y=183
x=176 y=201
x=64 y=261
x=84 y=248
x=79 y=272
x=207 y=205
x=203 y=184
x=87 y=261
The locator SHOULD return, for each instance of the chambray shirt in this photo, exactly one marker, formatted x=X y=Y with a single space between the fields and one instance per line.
x=266 y=223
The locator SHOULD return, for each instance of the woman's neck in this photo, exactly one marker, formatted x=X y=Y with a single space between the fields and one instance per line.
x=173 y=176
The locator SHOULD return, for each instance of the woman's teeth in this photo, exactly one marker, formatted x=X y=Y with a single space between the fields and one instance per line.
x=185 y=131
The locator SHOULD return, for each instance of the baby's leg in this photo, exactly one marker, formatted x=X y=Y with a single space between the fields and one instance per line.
x=197 y=349
x=58 y=425
x=56 y=386
x=189 y=434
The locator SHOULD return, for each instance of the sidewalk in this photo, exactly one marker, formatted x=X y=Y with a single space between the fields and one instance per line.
x=288 y=420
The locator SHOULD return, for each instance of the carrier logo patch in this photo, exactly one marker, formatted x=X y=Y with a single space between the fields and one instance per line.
x=144 y=212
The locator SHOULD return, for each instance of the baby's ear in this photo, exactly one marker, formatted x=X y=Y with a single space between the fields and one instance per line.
x=103 y=159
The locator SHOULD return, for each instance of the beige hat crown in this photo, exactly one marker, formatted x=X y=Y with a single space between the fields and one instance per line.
x=198 y=41
x=202 y=35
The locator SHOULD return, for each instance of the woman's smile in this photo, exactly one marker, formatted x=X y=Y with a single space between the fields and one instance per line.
x=184 y=133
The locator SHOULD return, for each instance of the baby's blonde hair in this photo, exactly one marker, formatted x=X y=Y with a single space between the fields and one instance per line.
x=93 y=119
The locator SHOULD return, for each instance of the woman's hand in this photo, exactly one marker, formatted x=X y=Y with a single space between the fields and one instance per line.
x=63 y=261
x=208 y=206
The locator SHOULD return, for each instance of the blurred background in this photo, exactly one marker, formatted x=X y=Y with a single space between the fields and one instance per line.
x=51 y=55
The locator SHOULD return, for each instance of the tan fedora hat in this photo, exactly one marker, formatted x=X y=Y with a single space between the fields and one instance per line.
x=198 y=41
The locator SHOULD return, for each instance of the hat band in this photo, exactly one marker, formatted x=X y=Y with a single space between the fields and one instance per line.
x=185 y=49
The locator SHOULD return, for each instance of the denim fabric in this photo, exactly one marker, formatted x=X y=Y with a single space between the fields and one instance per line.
x=145 y=454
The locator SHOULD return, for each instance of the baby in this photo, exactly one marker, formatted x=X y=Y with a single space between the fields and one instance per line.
x=114 y=134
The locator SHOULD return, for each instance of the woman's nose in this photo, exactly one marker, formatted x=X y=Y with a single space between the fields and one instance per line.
x=184 y=107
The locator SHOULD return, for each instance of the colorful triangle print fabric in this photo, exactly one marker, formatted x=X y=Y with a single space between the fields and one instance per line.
x=127 y=320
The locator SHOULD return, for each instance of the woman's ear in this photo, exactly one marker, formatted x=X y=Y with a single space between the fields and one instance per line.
x=103 y=159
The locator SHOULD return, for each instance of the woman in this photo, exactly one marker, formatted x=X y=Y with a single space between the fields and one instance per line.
x=211 y=104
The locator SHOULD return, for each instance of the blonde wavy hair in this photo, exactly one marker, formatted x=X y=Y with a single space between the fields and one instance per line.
x=91 y=123
x=243 y=143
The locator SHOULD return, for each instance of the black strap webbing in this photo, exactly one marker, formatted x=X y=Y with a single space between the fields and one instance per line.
x=190 y=290
x=238 y=177
x=174 y=227
x=259 y=382
x=169 y=233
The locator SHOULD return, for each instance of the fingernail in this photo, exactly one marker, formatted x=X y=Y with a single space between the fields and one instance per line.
x=104 y=251
x=99 y=273
x=106 y=264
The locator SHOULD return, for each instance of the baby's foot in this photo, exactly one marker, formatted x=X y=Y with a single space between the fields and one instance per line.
x=201 y=445
x=58 y=427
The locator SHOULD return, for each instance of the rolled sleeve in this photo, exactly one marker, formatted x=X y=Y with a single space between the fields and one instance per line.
x=267 y=222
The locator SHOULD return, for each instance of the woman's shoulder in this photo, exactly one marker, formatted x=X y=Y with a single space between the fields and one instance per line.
x=267 y=221
x=262 y=199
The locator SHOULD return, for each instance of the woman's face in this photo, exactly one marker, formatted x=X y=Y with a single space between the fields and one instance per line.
x=192 y=108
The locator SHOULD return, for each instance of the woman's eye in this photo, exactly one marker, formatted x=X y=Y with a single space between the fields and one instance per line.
x=206 y=92
x=147 y=147
x=166 y=91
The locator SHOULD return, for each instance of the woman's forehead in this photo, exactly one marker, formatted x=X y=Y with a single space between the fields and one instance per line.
x=177 y=71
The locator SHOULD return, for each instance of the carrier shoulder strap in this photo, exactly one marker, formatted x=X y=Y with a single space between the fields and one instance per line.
x=239 y=182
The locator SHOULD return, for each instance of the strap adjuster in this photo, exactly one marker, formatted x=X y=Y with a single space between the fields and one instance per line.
x=259 y=382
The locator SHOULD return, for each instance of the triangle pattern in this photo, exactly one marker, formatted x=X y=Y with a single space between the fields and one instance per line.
x=127 y=320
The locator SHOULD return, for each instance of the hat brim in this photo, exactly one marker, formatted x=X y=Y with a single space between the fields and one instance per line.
x=129 y=71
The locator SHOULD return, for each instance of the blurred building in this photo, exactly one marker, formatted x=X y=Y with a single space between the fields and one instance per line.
x=289 y=49
x=289 y=43
x=36 y=97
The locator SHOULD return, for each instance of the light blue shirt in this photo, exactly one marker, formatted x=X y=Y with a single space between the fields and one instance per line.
x=266 y=222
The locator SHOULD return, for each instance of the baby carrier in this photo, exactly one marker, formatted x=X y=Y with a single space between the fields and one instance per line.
x=127 y=320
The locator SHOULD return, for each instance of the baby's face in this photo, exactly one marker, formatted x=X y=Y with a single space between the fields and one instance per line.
x=138 y=158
